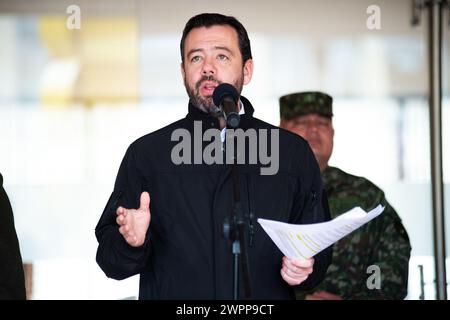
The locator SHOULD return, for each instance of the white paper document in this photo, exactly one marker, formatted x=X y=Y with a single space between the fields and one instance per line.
x=302 y=241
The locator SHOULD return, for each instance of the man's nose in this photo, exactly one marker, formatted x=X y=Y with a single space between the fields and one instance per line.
x=208 y=67
x=312 y=126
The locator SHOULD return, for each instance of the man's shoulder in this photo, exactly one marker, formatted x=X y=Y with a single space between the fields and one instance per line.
x=158 y=137
x=337 y=175
x=349 y=190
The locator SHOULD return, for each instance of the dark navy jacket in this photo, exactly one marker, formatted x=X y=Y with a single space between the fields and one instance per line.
x=185 y=255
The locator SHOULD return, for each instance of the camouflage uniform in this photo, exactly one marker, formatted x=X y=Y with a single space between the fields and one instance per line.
x=382 y=242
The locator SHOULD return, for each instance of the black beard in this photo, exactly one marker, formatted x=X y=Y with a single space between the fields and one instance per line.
x=207 y=104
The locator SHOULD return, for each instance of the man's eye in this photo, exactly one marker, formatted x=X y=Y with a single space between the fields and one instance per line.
x=300 y=123
x=195 y=59
x=222 y=57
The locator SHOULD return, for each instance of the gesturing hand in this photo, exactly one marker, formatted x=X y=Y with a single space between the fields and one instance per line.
x=133 y=223
x=295 y=272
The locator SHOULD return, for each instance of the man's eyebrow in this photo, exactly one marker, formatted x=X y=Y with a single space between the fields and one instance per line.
x=223 y=48
x=215 y=48
x=193 y=51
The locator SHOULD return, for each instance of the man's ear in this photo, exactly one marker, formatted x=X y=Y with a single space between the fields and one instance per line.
x=183 y=74
x=248 y=71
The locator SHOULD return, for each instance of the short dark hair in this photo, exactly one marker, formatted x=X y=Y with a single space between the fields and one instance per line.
x=216 y=19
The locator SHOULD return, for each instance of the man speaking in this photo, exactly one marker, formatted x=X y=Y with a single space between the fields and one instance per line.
x=168 y=221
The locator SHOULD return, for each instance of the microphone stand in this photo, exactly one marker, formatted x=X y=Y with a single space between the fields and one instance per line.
x=239 y=246
x=235 y=231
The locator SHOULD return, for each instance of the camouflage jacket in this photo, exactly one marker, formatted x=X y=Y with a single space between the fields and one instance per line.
x=382 y=242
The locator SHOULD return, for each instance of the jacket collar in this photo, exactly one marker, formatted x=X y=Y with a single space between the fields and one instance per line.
x=195 y=114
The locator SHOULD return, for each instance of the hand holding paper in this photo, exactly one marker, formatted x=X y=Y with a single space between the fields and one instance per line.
x=304 y=241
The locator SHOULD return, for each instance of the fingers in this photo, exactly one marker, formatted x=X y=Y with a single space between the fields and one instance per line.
x=132 y=223
x=145 y=201
x=295 y=272
x=128 y=235
x=121 y=215
x=120 y=220
x=132 y=240
x=291 y=280
x=308 y=263
x=298 y=267
x=122 y=211
x=124 y=230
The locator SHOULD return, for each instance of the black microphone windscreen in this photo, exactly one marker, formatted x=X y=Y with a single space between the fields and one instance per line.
x=224 y=89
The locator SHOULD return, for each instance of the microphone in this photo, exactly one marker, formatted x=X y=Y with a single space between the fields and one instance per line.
x=226 y=97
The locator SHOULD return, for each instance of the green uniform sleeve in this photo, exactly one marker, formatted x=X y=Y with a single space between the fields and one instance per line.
x=389 y=259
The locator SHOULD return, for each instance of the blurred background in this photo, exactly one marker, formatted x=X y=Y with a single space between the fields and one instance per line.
x=73 y=99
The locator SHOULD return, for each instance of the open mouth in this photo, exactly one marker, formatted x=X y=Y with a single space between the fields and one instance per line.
x=207 y=88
